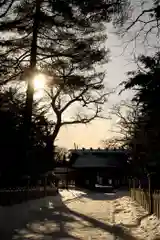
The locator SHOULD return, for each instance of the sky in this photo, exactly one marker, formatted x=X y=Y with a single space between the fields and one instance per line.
x=92 y=135
x=120 y=63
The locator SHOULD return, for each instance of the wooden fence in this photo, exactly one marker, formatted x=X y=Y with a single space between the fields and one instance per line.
x=151 y=202
x=17 y=195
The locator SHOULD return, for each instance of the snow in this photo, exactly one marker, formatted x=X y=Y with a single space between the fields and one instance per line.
x=131 y=216
x=78 y=214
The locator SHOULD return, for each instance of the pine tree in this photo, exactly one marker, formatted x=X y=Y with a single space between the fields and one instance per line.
x=145 y=140
x=40 y=158
x=39 y=35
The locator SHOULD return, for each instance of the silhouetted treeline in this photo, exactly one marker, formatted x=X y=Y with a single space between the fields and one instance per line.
x=39 y=156
x=144 y=143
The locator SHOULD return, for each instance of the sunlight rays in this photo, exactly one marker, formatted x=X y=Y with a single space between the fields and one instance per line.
x=39 y=82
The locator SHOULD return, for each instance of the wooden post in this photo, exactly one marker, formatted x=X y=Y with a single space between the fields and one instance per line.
x=150 y=194
x=28 y=181
x=45 y=184
x=129 y=186
x=27 y=187
x=134 y=188
x=67 y=179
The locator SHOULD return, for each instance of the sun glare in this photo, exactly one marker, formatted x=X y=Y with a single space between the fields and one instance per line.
x=39 y=81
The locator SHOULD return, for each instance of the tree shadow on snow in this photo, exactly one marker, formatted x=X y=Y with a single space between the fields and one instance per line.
x=138 y=222
x=97 y=195
x=115 y=230
x=54 y=221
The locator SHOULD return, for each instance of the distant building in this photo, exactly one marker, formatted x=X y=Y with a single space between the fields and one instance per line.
x=99 y=165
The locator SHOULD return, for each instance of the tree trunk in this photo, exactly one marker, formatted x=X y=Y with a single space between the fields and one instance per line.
x=30 y=87
x=56 y=130
x=54 y=135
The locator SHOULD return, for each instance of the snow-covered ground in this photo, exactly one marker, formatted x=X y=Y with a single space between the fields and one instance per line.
x=79 y=215
x=134 y=218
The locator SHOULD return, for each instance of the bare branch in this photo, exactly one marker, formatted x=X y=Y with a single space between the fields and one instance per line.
x=113 y=142
x=7 y=9
x=84 y=120
x=77 y=98
x=139 y=16
x=124 y=128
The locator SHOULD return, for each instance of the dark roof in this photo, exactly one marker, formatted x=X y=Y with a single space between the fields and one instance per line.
x=99 y=159
x=104 y=151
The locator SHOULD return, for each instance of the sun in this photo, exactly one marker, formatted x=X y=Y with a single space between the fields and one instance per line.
x=39 y=81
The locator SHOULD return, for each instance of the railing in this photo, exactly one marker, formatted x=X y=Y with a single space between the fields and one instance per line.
x=17 y=195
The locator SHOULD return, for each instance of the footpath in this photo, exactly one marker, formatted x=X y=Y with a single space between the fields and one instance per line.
x=79 y=215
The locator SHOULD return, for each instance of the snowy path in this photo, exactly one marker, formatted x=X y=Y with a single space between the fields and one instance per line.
x=79 y=215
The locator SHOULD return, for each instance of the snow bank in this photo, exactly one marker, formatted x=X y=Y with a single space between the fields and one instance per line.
x=133 y=217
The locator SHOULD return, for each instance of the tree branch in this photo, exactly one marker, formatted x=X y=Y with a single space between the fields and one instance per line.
x=139 y=16
x=7 y=9
x=84 y=120
x=77 y=98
